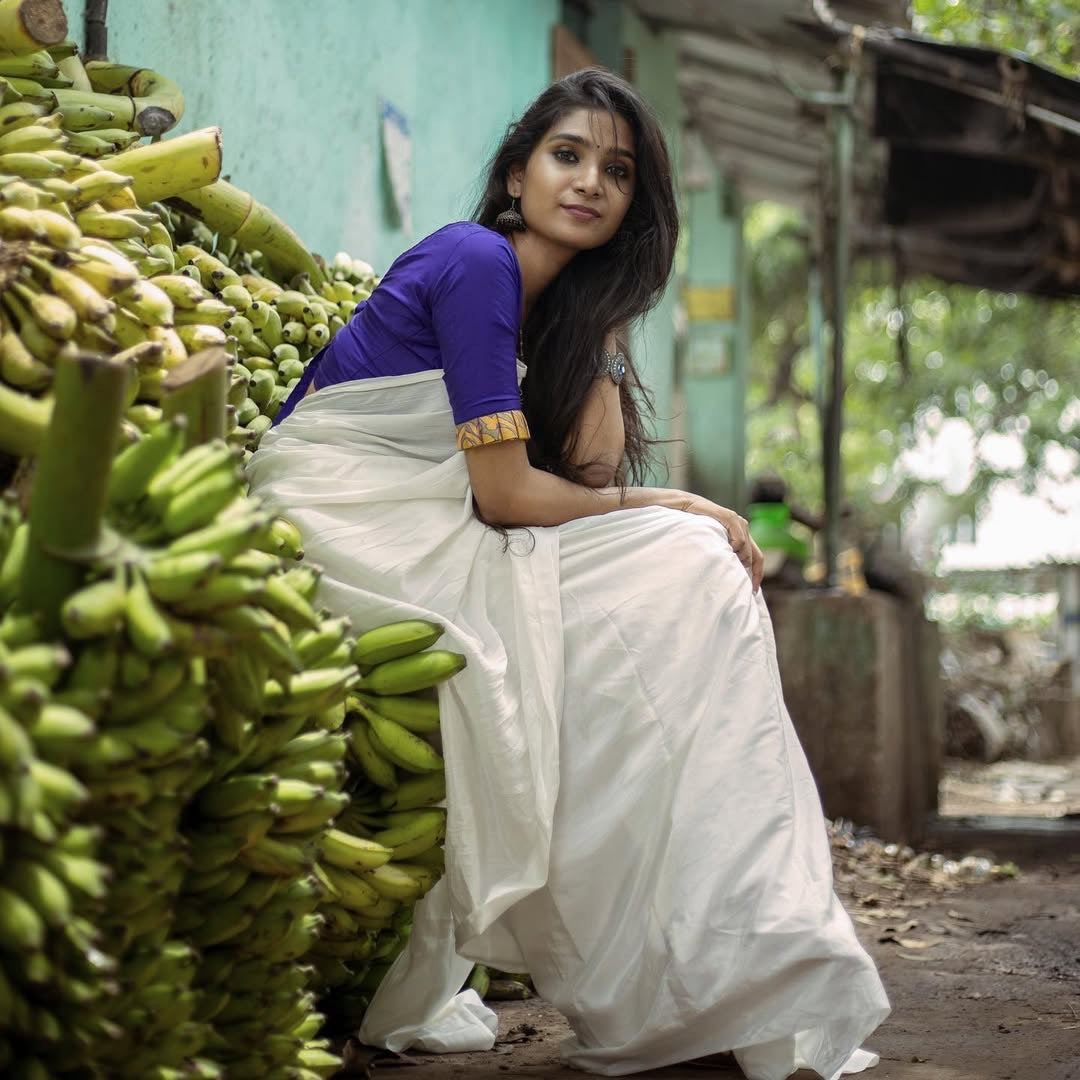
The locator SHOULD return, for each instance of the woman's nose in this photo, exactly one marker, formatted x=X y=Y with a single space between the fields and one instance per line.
x=588 y=179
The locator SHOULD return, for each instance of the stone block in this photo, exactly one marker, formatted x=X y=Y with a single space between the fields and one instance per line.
x=861 y=682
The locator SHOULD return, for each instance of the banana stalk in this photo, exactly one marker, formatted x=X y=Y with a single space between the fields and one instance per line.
x=198 y=388
x=67 y=505
x=166 y=168
x=232 y=212
x=122 y=108
x=159 y=102
x=29 y=25
x=71 y=67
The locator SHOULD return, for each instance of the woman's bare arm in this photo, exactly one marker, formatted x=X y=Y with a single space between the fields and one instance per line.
x=600 y=438
x=509 y=491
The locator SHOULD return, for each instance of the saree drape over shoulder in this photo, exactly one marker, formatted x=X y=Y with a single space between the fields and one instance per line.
x=631 y=818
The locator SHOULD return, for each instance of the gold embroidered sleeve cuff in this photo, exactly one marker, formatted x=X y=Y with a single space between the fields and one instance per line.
x=493 y=428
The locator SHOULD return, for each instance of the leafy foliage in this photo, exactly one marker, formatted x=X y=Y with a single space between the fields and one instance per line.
x=1001 y=367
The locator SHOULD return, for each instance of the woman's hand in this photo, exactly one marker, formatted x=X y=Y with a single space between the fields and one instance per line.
x=738 y=530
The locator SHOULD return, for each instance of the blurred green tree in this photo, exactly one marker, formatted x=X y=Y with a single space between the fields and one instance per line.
x=1000 y=371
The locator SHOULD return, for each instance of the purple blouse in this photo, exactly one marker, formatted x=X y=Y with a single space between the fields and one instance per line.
x=452 y=302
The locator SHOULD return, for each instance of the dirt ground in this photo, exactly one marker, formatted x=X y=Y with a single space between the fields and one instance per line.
x=984 y=979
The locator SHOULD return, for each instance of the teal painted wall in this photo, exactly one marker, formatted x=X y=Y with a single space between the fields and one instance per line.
x=294 y=87
x=714 y=369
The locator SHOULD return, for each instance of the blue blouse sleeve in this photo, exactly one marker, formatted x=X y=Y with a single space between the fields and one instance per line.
x=475 y=311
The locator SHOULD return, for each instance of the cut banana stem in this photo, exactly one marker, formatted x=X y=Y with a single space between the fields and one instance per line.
x=197 y=389
x=232 y=211
x=163 y=169
x=29 y=25
x=68 y=501
x=159 y=103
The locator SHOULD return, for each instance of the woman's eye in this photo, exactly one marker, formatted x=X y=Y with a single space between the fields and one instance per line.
x=566 y=155
x=621 y=171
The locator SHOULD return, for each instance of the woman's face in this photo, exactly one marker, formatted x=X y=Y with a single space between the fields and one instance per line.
x=578 y=183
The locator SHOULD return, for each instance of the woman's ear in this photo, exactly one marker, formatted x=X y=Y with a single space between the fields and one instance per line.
x=514 y=181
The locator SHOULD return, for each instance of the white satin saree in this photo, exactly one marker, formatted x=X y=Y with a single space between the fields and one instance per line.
x=631 y=818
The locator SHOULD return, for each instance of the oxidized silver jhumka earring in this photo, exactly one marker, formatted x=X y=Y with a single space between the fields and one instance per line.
x=510 y=220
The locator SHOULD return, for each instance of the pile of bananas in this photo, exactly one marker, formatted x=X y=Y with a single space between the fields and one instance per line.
x=271 y=328
x=385 y=850
x=53 y=970
x=217 y=806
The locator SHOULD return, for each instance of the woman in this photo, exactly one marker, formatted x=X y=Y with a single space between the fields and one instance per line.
x=631 y=818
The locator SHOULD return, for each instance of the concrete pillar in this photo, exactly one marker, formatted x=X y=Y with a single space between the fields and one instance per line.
x=714 y=369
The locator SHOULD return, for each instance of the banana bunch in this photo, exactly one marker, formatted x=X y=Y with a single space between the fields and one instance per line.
x=229 y=620
x=53 y=967
x=73 y=280
x=252 y=900
x=271 y=328
x=197 y=582
x=384 y=851
x=103 y=108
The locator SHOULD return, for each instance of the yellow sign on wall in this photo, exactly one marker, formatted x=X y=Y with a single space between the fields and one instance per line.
x=710 y=302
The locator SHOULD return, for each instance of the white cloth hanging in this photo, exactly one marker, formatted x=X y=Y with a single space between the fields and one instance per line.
x=631 y=818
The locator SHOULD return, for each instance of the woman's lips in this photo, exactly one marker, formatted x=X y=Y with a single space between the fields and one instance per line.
x=581 y=213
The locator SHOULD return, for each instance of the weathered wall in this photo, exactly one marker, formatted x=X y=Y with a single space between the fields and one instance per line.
x=294 y=87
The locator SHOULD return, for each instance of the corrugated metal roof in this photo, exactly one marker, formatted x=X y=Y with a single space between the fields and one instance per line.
x=738 y=63
x=967 y=160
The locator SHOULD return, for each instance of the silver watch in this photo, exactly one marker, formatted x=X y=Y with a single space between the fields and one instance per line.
x=615 y=366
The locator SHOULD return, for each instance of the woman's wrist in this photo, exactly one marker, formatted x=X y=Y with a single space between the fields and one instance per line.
x=636 y=498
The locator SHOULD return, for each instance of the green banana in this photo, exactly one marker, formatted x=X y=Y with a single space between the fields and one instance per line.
x=401 y=746
x=173 y=578
x=418 y=714
x=313 y=645
x=282 y=600
x=95 y=610
x=408 y=674
x=408 y=830
x=353 y=892
x=136 y=465
x=394 y=640
x=226 y=538
x=21 y=928
x=310 y=746
x=238 y=795
x=198 y=505
x=269 y=856
x=377 y=768
x=41 y=889
x=415 y=792
x=227 y=589
x=147 y=628
x=347 y=852
x=320 y=810
x=309 y=691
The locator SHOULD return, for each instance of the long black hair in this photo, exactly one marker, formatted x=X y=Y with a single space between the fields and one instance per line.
x=601 y=290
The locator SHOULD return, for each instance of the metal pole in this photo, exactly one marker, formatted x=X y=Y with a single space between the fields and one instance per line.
x=843 y=118
x=95 y=30
x=815 y=295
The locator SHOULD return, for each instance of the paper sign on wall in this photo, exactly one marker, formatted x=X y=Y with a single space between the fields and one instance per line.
x=397 y=149
x=708 y=354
